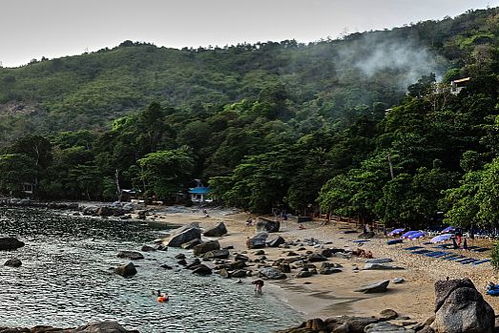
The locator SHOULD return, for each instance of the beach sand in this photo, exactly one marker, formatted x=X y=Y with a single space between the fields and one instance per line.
x=333 y=295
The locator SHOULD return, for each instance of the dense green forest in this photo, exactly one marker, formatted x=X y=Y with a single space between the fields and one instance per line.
x=365 y=126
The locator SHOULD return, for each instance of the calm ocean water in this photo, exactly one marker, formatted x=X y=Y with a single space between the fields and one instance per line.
x=65 y=280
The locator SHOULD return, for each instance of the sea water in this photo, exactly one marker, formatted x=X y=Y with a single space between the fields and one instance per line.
x=67 y=280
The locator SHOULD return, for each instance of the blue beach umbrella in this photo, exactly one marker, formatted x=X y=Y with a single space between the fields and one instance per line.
x=396 y=232
x=407 y=234
x=416 y=235
x=448 y=229
x=441 y=238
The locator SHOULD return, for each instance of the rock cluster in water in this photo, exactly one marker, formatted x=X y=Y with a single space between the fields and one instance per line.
x=97 y=327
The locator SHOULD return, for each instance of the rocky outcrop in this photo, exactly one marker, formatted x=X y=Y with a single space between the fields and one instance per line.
x=459 y=307
x=14 y=262
x=97 y=327
x=206 y=247
x=9 y=244
x=217 y=231
x=147 y=248
x=190 y=244
x=128 y=270
x=184 y=235
x=132 y=255
x=258 y=241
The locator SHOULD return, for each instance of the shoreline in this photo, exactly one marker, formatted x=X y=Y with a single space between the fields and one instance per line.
x=333 y=295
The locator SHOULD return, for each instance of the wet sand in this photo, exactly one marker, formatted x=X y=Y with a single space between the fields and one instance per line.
x=333 y=295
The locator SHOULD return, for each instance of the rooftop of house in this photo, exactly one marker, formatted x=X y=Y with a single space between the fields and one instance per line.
x=199 y=190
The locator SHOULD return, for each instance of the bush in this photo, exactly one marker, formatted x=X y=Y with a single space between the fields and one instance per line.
x=495 y=256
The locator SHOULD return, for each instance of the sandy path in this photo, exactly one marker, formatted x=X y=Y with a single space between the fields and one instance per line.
x=331 y=295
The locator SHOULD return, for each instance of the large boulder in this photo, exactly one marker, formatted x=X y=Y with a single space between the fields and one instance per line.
x=258 y=241
x=9 y=243
x=102 y=327
x=206 y=247
x=217 y=231
x=132 y=255
x=14 y=262
x=377 y=287
x=128 y=270
x=271 y=273
x=461 y=308
x=184 y=235
x=267 y=225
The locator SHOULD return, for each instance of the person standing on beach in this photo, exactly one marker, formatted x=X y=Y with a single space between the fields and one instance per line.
x=258 y=286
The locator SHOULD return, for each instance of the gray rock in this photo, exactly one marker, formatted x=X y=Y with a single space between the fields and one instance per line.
x=259 y=253
x=461 y=308
x=14 y=262
x=128 y=270
x=9 y=244
x=257 y=241
x=316 y=257
x=276 y=242
x=268 y=226
x=147 y=248
x=132 y=255
x=217 y=231
x=241 y=257
x=216 y=254
x=388 y=314
x=377 y=287
x=271 y=273
x=398 y=280
x=380 y=267
x=285 y=268
x=180 y=256
x=201 y=270
x=184 y=235
x=206 y=247
x=240 y=273
x=379 y=260
x=304 y=274
x=102 y=327
x=190 y=244
x=383 y=327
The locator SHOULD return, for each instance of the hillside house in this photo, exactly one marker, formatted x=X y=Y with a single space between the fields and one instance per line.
x=457 y=86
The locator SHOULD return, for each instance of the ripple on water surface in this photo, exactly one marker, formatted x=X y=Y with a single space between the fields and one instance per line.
x=66 y=280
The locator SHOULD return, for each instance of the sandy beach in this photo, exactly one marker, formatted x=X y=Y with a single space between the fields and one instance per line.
x=333 y=295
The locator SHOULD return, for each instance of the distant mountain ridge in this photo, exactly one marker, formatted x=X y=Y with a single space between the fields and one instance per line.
x=333 y=78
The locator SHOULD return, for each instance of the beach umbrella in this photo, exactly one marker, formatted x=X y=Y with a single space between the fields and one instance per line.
x=396 y=232
x=416 y=235
x=448 y=229
x=441 y=238
x=407 y=234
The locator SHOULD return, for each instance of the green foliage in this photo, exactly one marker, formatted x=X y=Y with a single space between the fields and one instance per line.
x=494 y=255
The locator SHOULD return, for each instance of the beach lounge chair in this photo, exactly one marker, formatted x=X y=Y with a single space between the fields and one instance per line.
x=421 y=251
x=459 y=257
x=412 y=248
x=481 y=262
x=480 y=249
x=468 y=261
x=433 y=253
x=450 y=257
x=394 y=241
x=360 y=241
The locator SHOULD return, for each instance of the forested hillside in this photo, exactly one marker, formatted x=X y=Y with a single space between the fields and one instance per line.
x=365 y=126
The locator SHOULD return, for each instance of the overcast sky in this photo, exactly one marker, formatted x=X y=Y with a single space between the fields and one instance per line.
x=53 y=28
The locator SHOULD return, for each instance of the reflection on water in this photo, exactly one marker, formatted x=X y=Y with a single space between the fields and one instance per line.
x=65 y=280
